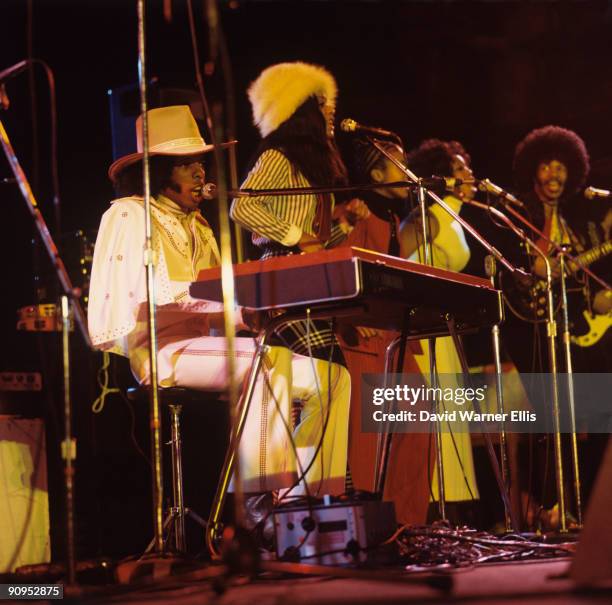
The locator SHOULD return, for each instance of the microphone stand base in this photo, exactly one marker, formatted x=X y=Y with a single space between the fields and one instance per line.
x=155 y=566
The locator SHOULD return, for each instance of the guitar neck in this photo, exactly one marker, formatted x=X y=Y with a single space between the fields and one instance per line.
x=586 y=258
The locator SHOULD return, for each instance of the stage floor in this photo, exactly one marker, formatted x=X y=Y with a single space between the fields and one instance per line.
x=524 y=583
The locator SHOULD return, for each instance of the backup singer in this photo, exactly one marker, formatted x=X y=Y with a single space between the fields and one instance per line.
x=189 y=354
x=388 y=206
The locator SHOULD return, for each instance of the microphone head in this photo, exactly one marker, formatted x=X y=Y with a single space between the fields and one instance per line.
x=441 y=183
x=451 y=182
x=490 y=265
x=348 y=125
x=484 y=185
x=592 y=193
x=209 y=191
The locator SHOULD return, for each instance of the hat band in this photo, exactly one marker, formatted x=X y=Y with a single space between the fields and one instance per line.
x=177 y=143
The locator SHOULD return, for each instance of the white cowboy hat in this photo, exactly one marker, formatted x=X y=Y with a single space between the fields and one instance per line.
x=172 y=131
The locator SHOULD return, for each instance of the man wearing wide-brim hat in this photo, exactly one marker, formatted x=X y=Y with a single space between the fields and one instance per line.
x=188 y=355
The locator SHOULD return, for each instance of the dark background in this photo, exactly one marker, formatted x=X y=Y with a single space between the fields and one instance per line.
x=484 y=73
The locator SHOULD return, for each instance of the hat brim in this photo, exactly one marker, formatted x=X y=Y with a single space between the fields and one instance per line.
x=123 y=162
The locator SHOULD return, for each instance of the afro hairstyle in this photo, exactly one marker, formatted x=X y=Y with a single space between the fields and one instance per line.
x=551 y=143
x=434 y=157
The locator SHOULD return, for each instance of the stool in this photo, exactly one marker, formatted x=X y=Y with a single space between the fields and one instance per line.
x=174 y=398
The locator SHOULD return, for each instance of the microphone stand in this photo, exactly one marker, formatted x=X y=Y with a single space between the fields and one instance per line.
x=239 y=537
x=290 y=191
x=69 y=299
x=149 y=262
x=551 y=333
x=570 y=387
x=563 y=255
x=431 y=349
x=491 y=271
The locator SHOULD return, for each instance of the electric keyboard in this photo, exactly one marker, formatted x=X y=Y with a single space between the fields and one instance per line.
x=385 y=292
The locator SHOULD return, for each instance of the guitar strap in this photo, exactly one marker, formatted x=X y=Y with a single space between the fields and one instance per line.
x=594 y=236
x=571 y=235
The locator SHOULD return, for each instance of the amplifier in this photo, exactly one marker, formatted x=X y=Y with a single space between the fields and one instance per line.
x=24 y=498
x=336 y=534
x=39 y=318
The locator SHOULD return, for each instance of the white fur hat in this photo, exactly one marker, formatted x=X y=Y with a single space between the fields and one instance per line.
x=281 y=89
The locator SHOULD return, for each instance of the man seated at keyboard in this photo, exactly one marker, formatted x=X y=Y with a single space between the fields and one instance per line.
x=189 y=355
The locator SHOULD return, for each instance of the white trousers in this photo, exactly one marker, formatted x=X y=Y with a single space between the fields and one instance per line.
x=267 y=455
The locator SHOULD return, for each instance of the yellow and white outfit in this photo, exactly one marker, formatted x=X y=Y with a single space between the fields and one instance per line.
x=450 y=251
x=189 y=356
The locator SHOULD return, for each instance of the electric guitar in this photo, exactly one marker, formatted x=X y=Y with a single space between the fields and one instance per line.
x=597 y=326
x=526 y=297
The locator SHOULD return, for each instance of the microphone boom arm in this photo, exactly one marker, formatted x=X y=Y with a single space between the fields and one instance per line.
x=285 y=192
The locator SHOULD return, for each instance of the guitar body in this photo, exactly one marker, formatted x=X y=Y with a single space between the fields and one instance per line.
x=524 y=296
x=527 y=297
x=597 y=326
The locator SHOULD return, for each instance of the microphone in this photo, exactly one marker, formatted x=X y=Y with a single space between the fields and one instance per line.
x=352 y=127
x=592 y=192
x=209 y=191
x=487 y=186
x=9 y=72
